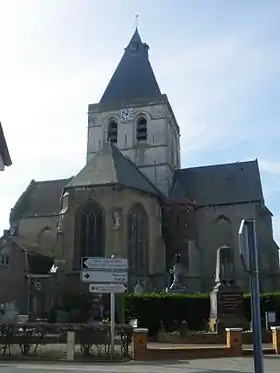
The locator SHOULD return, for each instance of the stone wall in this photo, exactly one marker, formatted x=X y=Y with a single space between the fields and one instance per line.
x=116 y=240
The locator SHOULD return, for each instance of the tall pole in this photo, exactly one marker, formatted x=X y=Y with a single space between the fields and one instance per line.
x=112 y=325
x=113 y=308
x=255 y=296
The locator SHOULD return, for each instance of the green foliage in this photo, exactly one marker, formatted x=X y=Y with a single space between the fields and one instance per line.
x=151 y=308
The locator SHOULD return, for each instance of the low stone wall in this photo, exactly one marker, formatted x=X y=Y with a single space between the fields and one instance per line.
x=203 y=338
x=232 y=347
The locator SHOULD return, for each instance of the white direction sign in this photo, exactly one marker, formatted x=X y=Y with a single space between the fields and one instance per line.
x=113 y=277
x=107 y=288
x=244 y=245
x=105 y=263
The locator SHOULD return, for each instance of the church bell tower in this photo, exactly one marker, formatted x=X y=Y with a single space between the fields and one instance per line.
x=135 y=116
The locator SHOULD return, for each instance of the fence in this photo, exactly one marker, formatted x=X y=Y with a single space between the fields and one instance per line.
x=93 y=340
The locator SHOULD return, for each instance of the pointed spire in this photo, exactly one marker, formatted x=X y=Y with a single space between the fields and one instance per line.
x=136 y=37
x=134 y=76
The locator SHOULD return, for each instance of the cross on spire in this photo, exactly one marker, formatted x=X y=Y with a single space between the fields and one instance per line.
x=137 y=15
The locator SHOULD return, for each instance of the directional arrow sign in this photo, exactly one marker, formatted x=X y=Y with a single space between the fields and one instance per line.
x=104 y=263
x=113 y=277
x=107 y=288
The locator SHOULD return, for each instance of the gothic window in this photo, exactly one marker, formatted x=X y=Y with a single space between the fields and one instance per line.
x=223 y=230
x=138 y=239
x=141 y=129
x=92 y=231
x=113 y=131
x=4 y=256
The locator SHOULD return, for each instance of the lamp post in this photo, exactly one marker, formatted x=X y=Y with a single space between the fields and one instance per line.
x=249 y=256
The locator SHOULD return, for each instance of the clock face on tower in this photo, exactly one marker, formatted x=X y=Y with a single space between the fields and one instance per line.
x=126 y=114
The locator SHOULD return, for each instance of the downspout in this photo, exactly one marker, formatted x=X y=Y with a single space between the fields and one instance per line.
x=28 y=282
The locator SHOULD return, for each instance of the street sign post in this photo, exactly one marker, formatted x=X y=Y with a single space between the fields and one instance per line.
x=111 y=277
x=106 y=275
x=249 y=255
x=107 y=288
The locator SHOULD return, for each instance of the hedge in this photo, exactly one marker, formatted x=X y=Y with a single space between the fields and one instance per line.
x=150 y=309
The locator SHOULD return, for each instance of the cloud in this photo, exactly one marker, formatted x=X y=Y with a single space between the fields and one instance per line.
x=213 y=84
x=272 y=167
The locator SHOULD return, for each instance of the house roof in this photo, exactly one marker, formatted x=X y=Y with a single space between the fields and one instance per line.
x=4 y=151
x=41 y=198
x=110 y=167
x=39 y=260
x=134 y=76
x=32 y=248
x=219 y=184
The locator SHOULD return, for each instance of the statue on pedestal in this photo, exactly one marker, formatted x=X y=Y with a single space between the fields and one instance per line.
x=177 y=271
x=226 y=300
x=224 y=267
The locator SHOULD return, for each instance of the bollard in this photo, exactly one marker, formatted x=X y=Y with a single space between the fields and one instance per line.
x=70 y=353
x=276 y=339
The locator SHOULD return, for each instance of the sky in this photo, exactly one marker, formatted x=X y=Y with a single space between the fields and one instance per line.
x=218 y=61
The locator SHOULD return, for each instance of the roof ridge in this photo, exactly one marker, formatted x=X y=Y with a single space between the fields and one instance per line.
x=52 y=180
x=219 y=165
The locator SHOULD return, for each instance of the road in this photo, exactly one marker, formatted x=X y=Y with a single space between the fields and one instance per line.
x=242 y=365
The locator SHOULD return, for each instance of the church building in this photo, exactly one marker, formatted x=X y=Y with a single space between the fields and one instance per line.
x=132 y=198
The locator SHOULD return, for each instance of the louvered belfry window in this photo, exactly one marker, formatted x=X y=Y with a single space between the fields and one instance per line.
x=113 y=131
x=141 y=130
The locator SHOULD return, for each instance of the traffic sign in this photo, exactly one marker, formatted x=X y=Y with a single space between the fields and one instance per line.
x=113 y=277
x=107 y=288
x=244 y=245
x=104 y=263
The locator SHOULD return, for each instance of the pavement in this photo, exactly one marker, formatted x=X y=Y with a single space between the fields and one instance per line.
x=226 y=365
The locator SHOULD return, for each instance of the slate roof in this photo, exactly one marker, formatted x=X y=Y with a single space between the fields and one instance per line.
x=31 y=247
x=41 y=198
x=111 y=167
x=4 y=151
x=134 y=76
x=219 y=184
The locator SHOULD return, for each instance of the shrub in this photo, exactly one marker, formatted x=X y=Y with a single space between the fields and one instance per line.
x=150 y=309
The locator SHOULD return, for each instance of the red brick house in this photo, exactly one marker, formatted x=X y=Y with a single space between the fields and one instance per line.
x=5 y=159
x=25 y=275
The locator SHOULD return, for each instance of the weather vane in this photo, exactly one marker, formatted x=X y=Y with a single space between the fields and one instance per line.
x=137 y=19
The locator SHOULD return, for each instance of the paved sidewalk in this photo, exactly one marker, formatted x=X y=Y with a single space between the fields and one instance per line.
x=227 y=365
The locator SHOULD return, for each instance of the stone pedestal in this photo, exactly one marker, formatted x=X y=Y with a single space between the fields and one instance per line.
x=139 y=343
x=234 y=340
x=226 y=309
x=276 y=339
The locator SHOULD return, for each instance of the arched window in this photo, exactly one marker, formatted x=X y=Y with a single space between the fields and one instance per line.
x=113 y=131
x=223 y=231
x=141 y=129
x=91 y=230
x=5 y=256
x=138 y=239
